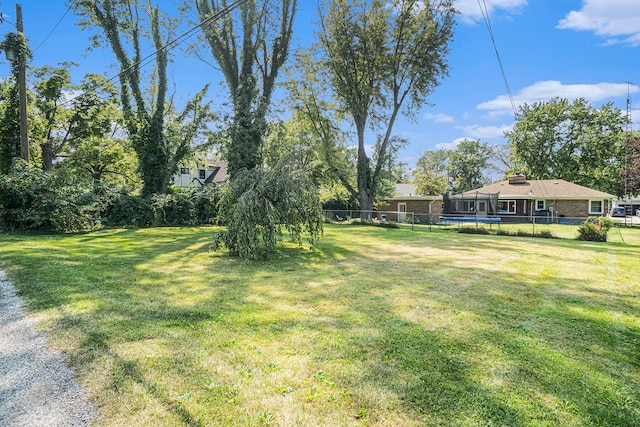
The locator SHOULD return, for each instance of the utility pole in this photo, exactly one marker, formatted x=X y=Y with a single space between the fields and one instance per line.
x=22 y=91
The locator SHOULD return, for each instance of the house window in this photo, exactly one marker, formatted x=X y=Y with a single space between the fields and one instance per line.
x=596 y=207
x=506 y=206
x=466 y=206
x=202 y=174
x=541 y=205
x=184 y=171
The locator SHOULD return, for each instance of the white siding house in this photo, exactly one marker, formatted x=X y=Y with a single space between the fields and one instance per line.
x=190 y=176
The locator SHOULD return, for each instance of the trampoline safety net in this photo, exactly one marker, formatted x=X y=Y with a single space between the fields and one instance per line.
x=465 y=204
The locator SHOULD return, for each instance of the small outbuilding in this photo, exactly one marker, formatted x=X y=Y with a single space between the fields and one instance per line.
x=424 y=208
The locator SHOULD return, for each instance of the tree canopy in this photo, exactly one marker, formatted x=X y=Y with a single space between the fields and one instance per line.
x=127 y=27
x=249 y=47
x=569 y=140
x=630 y=171
x=379 y=58
x=458 y=170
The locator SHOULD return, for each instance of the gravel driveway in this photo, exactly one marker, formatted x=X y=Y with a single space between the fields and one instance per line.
x=36 y=386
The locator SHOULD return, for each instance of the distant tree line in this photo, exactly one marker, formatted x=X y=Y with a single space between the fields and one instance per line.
x=555 y=139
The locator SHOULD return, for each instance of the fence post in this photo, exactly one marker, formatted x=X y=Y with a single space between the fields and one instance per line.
x=533 y=225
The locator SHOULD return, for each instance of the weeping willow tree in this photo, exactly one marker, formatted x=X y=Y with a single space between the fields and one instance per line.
x=258 y=203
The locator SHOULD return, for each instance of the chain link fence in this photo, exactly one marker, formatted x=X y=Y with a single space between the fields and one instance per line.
x=558 y=226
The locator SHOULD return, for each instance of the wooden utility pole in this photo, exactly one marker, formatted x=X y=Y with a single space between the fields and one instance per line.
x=22 y=91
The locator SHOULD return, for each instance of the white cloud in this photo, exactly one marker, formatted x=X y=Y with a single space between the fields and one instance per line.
x=618 y=20
x=440 y=118
x=471 y=12
x=485 y=132
x=546 y=90
x=450 y=145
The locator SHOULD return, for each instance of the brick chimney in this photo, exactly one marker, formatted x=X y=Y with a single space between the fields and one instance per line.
x=517 y=179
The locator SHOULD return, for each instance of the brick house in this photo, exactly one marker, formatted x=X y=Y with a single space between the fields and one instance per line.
x=551 y=200
x=518 y=200
x=406 y=200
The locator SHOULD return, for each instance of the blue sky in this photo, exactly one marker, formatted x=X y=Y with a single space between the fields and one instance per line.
x=565 y=48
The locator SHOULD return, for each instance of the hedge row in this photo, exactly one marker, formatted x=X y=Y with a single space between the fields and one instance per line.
x=32 y=199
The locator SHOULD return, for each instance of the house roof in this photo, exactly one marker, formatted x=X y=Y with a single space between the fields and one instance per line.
x=219 y=171
x=406 y=190
x=541 y=189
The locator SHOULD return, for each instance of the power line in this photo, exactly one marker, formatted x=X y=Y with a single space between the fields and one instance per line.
x=169 y=45
x=487 y=21
x=51 y=32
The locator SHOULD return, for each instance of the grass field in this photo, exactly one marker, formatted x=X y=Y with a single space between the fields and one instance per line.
x=385 y=327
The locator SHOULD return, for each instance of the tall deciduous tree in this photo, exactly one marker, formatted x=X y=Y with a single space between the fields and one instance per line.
x=317 y=120
x=431 y=174
x=569 y=140
x=59 y=125
x=105 y=160
x=630 y=171
x=468 y=164
x=383 y=56
x=125 y=25
x=463 y=168
x=250 y=48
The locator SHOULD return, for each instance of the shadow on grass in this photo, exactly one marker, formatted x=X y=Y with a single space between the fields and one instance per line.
x=525 y=351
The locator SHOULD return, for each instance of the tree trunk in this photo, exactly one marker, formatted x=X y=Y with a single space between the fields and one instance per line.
x=365 y=198
x=47 y=155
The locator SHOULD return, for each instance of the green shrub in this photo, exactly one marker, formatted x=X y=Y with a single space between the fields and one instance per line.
x=545 y=234
x=473 y=230
x=121 y=209
x=206 y=201
x=386 y=224
x=198 y=206
x=173 y=209
x=595 y=229
x=33 y=199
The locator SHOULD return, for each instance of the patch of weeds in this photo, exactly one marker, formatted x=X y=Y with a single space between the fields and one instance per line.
x=266 y=419
x=312 y=394
x=324 y=379
x=545 y=234
x=370 y=223
x=283 y=389
x=361 y=413
x=387 y=224
x=473 y=230
x=269 y=367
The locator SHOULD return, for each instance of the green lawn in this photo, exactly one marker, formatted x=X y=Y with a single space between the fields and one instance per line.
x=618 y=234
x=384 y=327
